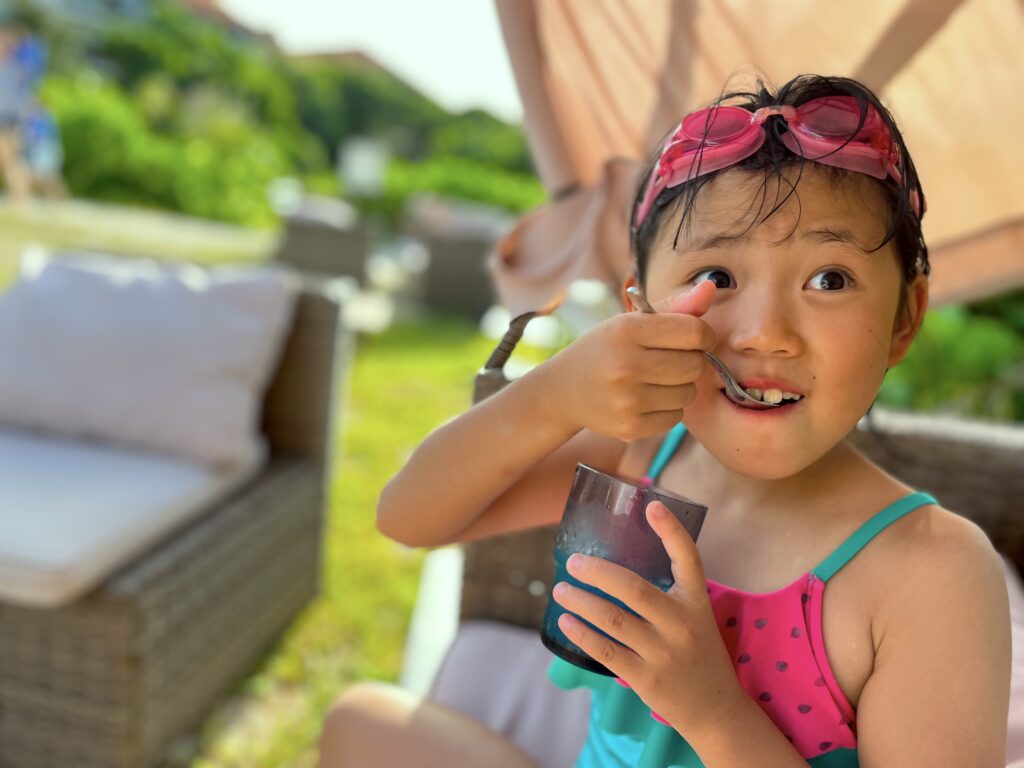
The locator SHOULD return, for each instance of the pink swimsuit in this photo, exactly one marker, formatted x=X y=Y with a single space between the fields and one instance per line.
x=778 y=651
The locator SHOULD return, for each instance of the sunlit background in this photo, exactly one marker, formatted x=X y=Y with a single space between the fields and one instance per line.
x=378 y=144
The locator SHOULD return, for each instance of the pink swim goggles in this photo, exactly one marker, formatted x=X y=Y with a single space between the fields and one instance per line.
x=823 y=130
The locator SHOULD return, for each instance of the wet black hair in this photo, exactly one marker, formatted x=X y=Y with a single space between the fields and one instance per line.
x=773 y=157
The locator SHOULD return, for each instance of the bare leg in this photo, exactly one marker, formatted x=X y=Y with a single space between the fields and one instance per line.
x=16 y=177
x=375 y=725
x=53 y=187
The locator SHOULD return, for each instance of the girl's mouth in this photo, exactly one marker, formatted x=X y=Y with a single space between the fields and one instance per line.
x=788 y=406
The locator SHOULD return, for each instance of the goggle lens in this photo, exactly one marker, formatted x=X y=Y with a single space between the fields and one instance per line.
x=720 y=124
x=834 y=119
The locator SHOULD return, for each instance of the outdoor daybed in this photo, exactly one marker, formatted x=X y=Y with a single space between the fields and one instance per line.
x=139 y=584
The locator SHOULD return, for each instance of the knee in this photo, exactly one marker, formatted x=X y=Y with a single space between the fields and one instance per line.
x=353 y=717
x=357 y=701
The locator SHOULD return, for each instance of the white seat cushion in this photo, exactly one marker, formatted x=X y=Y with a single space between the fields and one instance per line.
x=73 y=512
x=497 y=674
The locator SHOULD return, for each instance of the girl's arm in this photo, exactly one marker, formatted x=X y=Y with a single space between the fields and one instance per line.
x=482 y=473
x=939 y=694
x=505 y=464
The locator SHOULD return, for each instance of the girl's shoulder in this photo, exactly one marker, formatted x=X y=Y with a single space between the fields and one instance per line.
x=942 y=639
x=928 y=551
x=919 y=552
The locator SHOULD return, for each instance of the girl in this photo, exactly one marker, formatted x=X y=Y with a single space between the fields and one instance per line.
x=828 y=615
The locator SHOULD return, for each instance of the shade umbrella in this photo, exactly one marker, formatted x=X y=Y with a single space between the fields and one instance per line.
x=603 y=80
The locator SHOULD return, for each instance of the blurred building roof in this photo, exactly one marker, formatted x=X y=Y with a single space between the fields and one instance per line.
x=212 y=11
x=341 y=57
x=359 y=58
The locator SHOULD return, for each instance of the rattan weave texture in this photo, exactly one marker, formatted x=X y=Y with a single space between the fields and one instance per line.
x=112 y=679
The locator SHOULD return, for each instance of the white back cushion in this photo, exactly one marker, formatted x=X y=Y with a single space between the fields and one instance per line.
x=171 y=358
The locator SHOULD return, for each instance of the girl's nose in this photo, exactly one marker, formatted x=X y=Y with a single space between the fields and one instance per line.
x=763 y=322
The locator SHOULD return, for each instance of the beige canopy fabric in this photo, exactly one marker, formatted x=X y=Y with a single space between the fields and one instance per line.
x=603 y=80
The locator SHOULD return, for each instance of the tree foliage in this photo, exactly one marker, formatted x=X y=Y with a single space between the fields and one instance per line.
x=177 y=112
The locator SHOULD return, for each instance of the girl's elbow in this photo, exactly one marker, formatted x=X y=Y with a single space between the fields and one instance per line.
x=386 y=519
x=392 y=524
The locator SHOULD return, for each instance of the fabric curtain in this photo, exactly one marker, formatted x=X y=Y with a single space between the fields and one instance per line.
x=603 y=81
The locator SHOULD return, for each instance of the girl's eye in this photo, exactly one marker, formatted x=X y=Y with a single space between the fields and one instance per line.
x=713 y=271
x=836 y=280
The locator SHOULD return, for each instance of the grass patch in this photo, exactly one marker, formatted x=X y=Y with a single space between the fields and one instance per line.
x=403 y=383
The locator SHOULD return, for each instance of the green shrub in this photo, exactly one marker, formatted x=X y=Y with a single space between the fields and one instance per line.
x=479 y=136
x=112 y=154
x=961 y=362
x=466 y=179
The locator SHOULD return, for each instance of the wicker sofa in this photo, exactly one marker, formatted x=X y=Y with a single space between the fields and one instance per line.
x=501 y=584
x=114 y=678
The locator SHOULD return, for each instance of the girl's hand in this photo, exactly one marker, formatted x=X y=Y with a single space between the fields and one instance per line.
x=632 y=375
x=671 y=654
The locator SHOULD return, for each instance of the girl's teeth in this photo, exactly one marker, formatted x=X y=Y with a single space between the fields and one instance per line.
x=771 y=395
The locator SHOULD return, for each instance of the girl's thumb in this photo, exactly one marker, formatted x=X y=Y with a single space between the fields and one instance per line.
x=693 y=301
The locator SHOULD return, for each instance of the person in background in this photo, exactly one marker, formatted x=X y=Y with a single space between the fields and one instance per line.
x=43 y=154
x=12 y=108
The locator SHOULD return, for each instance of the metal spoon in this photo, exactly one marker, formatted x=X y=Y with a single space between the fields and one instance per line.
x=733 y=390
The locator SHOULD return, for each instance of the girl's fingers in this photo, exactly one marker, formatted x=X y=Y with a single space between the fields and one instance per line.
x=671 y=331
x=687 y=567
x=663 y=398
x=623 y=626
x=671 y=366
x=617 y=658
x=620 y=583
x=695 y=300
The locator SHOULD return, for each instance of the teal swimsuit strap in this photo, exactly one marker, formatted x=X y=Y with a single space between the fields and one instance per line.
x=859 y=539
x=845 y=552
x=668 y=447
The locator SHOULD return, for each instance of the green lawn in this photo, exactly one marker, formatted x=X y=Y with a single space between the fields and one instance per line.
x=404 y=383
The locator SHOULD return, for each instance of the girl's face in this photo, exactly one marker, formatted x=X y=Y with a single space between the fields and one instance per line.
x=813 y=309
